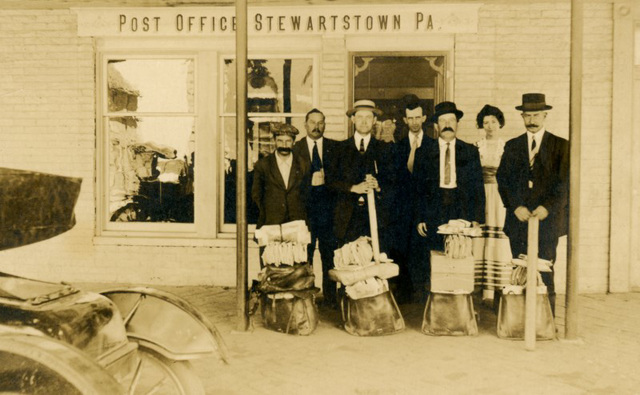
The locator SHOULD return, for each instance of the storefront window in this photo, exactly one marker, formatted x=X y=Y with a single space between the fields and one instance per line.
x=279 y=90
x=150 y=130
x=390 y=80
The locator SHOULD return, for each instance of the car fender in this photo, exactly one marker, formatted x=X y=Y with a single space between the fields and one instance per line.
x=167 y=324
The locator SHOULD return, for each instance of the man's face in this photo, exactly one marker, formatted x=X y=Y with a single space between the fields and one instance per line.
x=284 y=143
x=364 y=120
x=315 y=125
x=414 y=119
x=447 y=126
x=534 y=120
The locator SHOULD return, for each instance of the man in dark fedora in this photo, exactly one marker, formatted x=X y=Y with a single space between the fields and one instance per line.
x=448 y=178
x=362 y=163
x=533 y=181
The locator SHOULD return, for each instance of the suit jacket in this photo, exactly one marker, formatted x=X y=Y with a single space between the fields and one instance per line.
x=404 y=208
x=321 y=200
x=276 y=203
x=550 y=176
x=349 y=168
x=426 y=170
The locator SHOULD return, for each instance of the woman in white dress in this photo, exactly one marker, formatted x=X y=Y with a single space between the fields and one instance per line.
x=493 y=265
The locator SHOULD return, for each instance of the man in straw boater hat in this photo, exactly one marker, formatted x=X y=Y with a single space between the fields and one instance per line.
x=361 y=164
x=448 y=178
x=533 y=181
x=281 y=181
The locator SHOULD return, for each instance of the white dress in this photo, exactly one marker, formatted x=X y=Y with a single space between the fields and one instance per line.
x=492 y=252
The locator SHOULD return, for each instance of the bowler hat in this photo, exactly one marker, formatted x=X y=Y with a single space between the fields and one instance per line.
x=446 y=107
x=279 y=129
x=533 y=102
x=364 y=105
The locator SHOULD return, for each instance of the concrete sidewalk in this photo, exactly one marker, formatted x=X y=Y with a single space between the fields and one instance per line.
x=605 y=359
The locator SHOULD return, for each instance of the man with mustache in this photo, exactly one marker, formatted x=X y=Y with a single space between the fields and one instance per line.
x=533 y=181
x=281 y=181
x=318 y=152
x=448 y=178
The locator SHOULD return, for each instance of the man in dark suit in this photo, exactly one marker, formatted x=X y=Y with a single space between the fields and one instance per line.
x=362 y=164
x=318 y=152
x=406 y=251
x=281 y=181
x=533 y=181
x=448 y=178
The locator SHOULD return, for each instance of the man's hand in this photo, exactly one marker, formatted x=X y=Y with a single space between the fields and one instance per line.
x=522 y=213
x=372 y=182
x=422 y=229
x=540 y=212
x=360 y=189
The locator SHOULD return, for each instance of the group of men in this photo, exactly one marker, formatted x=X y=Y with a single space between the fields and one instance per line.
x=419 y=183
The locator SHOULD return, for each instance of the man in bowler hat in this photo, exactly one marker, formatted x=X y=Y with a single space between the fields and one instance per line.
x=533 y=181
x=448 y=178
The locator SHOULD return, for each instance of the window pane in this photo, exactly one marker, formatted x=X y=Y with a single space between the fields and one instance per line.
x=260 y=145
x=274 y=85
x=153 y=85
x=391 y=80
x=151 y=169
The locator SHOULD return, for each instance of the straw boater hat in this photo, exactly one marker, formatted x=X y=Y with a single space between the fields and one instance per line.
x=446 y=107
x=364 y=105
x=281 y=129
x=533 y=102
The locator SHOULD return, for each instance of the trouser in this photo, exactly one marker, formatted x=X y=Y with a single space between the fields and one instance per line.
x=322 y=233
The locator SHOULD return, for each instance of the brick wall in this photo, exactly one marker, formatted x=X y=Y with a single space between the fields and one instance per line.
x=47 y=123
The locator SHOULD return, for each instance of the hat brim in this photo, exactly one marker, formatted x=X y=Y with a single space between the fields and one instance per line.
x=434 y=117
x=525 y=109
x=376 y=111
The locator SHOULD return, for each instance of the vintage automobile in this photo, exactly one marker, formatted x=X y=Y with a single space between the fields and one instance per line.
x=57 y=339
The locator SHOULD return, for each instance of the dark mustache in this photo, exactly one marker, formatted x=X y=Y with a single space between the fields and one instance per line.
x=533 y=125
x=284 y=150
x=447 y=129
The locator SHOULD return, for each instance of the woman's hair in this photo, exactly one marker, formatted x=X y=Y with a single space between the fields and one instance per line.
x=489 y=110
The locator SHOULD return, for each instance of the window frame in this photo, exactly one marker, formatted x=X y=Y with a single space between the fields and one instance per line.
x=229 y=229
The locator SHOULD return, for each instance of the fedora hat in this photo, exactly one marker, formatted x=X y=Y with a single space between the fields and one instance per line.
x=446 y=107
x=364 y=105
x=533 y=102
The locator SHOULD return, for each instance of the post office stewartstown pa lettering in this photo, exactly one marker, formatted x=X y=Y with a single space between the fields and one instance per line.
x=437 y=18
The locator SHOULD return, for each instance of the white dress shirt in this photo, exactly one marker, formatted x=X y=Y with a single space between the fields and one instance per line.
x=284 y=165
x=452 y=152
x=357 y=137
x=416 y=138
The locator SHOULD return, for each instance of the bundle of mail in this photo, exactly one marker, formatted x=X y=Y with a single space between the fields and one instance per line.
x=519 y=273
x=284 y=244
x=457 y=239
x=356 y=269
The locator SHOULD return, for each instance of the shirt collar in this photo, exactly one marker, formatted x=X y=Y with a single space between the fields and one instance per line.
x=538 y=136
x=443 y=143
x=418 y=136
x=287 y=160
x=310 y=142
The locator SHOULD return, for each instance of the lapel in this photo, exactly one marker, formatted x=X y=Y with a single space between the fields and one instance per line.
x=293 y=174
x=275 y=171
x=545 y=148
x=304 y=150
x=522 y=146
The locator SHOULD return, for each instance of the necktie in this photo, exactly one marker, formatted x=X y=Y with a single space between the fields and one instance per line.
x=533 y=154
x=316 y=162
x=362 y=146
x=412 y=154
x=447 y=166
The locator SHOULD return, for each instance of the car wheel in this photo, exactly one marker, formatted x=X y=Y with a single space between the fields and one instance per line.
x=160 y=375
